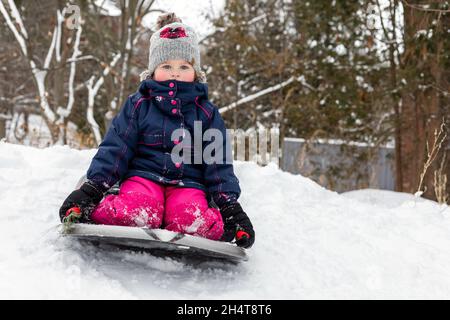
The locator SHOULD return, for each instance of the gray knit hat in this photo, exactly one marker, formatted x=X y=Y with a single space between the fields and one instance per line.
x=173 y=40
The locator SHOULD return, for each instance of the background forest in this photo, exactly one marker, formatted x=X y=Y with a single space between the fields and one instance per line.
x=361 y=72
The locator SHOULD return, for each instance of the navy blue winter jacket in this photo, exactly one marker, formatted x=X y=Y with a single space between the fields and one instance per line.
x=138 y=142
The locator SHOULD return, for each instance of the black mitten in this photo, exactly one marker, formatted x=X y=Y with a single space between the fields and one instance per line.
x=85 y=198
x=237 y=224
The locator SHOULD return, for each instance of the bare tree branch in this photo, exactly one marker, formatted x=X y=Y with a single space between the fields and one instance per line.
x=422 y=7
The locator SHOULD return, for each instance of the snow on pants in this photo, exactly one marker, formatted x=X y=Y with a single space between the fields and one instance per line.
x=144 y=203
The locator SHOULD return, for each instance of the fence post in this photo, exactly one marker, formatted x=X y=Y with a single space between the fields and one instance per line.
x=275 y=145
x=262 y=135
x=252 y=145
x=240 y=144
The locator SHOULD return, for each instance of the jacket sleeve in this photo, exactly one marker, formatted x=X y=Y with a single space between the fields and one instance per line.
x=117 y=148
x=220 y=180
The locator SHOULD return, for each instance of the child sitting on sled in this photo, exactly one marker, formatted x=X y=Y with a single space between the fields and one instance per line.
x=157 y=190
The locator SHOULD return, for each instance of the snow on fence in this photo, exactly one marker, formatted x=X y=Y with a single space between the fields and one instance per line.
x=338 y=169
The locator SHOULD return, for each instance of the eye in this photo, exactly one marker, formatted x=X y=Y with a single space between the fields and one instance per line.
x=185 y=67
x=166 y=66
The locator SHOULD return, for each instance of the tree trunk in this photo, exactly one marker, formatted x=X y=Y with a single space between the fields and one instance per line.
x=2 y=128
x=421 y=109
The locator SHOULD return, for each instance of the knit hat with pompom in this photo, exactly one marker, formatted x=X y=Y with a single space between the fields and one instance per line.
x=173 y=40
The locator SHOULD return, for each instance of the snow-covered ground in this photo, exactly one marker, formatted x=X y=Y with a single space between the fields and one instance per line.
x=311 y=242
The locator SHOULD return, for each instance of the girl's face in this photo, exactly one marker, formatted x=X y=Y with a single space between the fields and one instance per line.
x=180 y=70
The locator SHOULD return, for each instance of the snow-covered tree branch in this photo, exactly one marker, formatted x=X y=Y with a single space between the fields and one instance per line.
x=54 y=121
x=22 y=37
x=255 y=96
x=93 y=88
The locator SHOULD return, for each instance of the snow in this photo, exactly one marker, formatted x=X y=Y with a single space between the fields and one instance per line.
x=389 y=145
x=108 y=8
x=92 y=93
x=383 y=198
x=38 y=132
x=21 y=34
x=311 y=242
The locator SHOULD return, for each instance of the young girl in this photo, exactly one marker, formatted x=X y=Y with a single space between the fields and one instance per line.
x=155 y=191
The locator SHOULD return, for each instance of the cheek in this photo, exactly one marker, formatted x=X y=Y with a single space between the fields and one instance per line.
x=188 y=76
x=161 y=75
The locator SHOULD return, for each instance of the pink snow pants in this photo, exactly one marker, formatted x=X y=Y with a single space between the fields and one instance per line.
x=144 y=203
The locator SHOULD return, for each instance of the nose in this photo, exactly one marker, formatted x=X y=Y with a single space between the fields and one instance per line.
x=175 y=74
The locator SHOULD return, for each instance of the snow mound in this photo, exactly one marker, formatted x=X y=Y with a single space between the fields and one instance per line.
x=383 y=198
x=310 y=242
